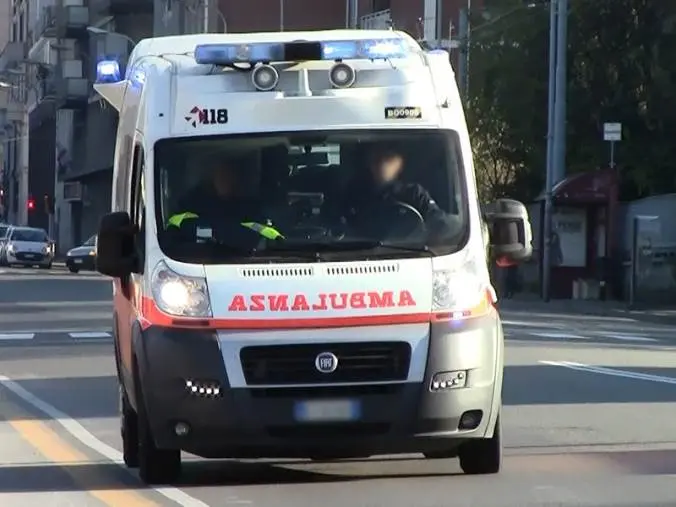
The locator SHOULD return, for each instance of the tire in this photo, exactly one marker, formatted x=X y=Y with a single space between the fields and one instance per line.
x=156 y=466
x=73 y=269
x=483 y=456
x=128 y=431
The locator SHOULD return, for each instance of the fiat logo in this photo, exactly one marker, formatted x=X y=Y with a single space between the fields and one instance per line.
x=326 y=362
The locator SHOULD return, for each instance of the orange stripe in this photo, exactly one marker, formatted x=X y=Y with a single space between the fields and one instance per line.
x=151 y=315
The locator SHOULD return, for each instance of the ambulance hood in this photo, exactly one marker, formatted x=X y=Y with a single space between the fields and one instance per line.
x=322 y=294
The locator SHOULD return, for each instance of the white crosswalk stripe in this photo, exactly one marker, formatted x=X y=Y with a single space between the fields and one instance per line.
x=45 y=336
x=554 y=333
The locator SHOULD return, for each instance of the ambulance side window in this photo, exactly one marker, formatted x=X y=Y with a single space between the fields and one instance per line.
x=137 y=210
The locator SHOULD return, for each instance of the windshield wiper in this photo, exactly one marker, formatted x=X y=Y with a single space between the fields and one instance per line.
x=342 y=246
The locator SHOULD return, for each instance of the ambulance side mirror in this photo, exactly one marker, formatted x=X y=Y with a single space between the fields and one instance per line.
x=510 y=232
x=115 y=245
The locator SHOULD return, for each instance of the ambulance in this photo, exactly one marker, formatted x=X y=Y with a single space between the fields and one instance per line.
x=323 y=319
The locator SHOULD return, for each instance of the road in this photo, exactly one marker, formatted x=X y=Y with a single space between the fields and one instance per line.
x=588 y=419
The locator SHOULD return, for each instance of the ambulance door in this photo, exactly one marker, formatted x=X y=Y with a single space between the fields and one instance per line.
x=131 y=288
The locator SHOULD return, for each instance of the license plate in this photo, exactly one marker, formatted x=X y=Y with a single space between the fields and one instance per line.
x=327 y=410
x=77 y=261
x=30 y=256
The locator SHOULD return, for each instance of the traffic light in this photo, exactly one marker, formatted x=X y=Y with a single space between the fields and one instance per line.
x=31 y=204
x=49 y=204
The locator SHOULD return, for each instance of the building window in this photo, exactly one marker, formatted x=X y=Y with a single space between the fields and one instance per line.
x=380 y=5
x=22 y=27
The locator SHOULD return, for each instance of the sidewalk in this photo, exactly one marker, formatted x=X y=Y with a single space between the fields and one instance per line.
x=619 y=309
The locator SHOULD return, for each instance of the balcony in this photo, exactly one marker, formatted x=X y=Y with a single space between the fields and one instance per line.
x=12 y=55
x=120 y=7
x=72 y=86
x=381 y=20
x=63 y=21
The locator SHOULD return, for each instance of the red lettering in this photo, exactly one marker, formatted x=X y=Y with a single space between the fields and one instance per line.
x=335 y=304
x=279 y=303
x=406 y=299
x=358 y=300
x=238 y=304
x=300 y=304
x=323 y=302
x=381 y=300
x=257 y=303
x=321 y=305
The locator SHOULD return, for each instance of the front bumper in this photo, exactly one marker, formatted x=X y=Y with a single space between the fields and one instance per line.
x=256 y=422
x=30 y=258
x=85 y=262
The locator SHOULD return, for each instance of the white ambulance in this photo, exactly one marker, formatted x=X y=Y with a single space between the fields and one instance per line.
x=298 y=253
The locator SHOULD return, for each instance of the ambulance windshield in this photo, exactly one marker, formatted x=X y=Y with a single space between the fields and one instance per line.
x=340 y=194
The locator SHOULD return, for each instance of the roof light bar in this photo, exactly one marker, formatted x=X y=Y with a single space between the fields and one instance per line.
x=370 y=49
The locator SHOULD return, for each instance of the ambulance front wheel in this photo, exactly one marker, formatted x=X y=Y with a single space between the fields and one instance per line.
x=128 y=431
x=156 y=466
x=482 y=455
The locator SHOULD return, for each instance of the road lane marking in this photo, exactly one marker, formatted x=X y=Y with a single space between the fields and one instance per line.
x=52 y=447
x=58 y=452
x=88 y=335
x=628 y=337
x=80 y=433
x=559 y=336
x=613 y=372
x=17 y=336
x=67 y=330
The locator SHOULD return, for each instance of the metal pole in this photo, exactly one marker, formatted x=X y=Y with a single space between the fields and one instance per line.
x=549 y=169
x=463 y=35
x=612 y=154
x=467 y=50
x=439 y=29
x=281 y=15
x=560 y=100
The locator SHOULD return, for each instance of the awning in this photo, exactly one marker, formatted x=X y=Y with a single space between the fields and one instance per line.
x=593 y=187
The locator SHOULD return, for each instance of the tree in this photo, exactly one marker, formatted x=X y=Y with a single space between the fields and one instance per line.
x=621 y=68
x=506 y=114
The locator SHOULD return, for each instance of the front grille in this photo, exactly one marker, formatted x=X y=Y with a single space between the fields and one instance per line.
x=295 y=364
x=29 y=256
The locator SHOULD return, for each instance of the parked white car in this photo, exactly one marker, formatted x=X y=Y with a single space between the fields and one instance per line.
x=28 y=246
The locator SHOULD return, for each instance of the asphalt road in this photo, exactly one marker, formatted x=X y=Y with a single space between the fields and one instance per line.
x=588 y=419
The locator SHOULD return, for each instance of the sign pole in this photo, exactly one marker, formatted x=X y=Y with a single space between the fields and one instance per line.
x=612 y=133
x=612 y=154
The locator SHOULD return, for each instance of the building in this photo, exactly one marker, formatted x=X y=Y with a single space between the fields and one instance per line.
x=5 y=23
x=60 y=140
x=13 y=149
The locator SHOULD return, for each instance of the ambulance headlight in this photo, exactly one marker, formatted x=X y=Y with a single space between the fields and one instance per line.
x=179 y=295
x=342 y=75
x=265 y=77
x=460 y=293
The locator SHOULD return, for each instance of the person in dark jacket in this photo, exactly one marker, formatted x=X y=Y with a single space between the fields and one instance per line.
x=223 y=203
x=383 y=188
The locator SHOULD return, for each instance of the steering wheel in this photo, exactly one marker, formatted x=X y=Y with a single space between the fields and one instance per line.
x=399 y=228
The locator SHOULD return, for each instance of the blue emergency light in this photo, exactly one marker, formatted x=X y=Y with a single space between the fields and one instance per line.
x=373 y=49
x=108 y=71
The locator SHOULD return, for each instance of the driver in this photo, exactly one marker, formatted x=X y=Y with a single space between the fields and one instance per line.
x=221 y=199
x=384 y=186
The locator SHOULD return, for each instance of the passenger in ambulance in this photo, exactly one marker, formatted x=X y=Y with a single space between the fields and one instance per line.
x=227 y=202
x=383 y=191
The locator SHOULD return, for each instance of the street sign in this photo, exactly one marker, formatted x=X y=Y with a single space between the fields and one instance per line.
x=612 y=132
